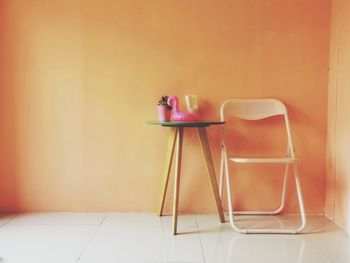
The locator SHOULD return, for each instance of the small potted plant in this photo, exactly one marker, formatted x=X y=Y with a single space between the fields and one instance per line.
x=164 y=109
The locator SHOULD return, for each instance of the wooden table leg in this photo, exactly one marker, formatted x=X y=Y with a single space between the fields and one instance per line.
x=177 y=177
x=210 y=169
x=167 y=167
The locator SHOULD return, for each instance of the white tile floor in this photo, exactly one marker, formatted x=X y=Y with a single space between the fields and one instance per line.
x=131 y=237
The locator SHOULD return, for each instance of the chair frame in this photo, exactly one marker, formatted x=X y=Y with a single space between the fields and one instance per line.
x=278 y=108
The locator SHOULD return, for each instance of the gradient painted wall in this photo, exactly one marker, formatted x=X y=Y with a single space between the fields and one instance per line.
x=338 y=171
x=79 y=79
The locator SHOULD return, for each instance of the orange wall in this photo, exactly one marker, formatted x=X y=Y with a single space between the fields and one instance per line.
x=80 y=78
x=8 y=133
x=338 y=172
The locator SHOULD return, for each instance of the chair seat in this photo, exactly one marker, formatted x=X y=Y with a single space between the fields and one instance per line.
x=239 y=159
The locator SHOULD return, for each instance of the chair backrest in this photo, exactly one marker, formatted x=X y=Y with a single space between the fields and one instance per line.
x=252 y=109
x=257 y=109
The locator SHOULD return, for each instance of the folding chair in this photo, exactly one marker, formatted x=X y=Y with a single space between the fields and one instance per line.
x=253 y=110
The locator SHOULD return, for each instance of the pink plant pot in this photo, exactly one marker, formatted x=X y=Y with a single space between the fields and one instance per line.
x=163 y=113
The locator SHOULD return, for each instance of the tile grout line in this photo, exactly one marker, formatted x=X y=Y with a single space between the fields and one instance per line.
x=319 y=249
x=92 y=237
x=8 y=221
x=200 y=240
x=165 y=256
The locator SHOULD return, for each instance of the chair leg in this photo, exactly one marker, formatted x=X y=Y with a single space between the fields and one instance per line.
x=221 y=173
x=228 y=191
x=283 y=198
x=300 y=199
x=265 y=230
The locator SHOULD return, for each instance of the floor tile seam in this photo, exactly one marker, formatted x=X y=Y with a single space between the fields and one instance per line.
x=319 y=249
x=200 y=239
x=164 y=237
x=103 y=219
x=52 y=224
x=8 y=221
x=92 y=237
